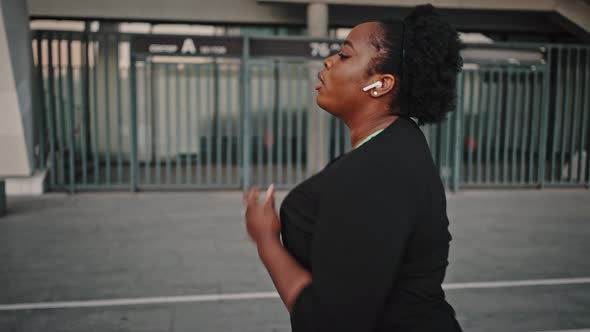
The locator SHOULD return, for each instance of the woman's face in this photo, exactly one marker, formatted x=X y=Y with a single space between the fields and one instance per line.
x=345 y=74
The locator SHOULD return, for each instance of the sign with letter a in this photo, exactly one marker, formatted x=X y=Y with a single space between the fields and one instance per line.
x=188 y=47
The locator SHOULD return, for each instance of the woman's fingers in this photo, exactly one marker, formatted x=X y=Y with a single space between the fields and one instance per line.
x=270 y=195
x=252 y=197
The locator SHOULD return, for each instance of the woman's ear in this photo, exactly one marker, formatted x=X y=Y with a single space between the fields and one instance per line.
x=388 y=82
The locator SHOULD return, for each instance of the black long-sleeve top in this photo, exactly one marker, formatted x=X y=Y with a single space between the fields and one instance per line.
x=372 y=229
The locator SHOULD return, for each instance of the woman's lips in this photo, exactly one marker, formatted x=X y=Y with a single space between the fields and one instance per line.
x=321 y=81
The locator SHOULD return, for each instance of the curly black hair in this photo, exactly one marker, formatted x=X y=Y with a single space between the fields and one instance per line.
x=423 y=52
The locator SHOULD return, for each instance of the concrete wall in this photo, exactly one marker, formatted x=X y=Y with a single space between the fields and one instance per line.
x=537 y=5
x=231 y=11
x=16 y=110
x=486 y=16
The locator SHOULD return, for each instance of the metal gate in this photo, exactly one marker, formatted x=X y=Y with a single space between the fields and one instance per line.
x=188 y=124
x=112 y=120
x=504 y=121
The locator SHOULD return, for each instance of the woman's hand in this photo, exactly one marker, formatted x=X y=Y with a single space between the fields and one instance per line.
x=262 y=221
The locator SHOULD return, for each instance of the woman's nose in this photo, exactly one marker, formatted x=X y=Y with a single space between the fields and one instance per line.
x=328 y=62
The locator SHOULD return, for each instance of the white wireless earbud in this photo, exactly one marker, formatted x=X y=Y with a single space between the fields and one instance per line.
x=377 y=85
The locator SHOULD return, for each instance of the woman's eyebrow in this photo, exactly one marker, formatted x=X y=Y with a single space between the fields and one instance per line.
x=349 y=43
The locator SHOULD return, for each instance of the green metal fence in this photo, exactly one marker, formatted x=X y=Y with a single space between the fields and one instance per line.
x=503 y=123
x=188 y=124
x=568 y=142
x=112 y=121
x=279 y=116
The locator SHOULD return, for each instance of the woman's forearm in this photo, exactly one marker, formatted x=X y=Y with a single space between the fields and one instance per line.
x=287 y=275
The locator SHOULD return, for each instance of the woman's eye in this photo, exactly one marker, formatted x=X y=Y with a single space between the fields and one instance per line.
x=343 y=56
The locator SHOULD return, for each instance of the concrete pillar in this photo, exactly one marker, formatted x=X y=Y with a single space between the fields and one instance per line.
x=317 y=19
x=2 y=198
x=317 y=152
x=16 y=90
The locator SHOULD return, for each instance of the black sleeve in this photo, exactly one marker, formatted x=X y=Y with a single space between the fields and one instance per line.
x=358 y=243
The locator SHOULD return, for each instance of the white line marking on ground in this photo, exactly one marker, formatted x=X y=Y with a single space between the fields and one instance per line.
x=580 y=330
x=267 y=295
x=139 y=301
x=516 y=283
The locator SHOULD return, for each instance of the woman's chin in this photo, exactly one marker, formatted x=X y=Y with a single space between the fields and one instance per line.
x=321 y=101
x=323 y=106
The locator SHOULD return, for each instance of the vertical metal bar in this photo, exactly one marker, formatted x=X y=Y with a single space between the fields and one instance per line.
x=458 y=131
x=167 y=121
x=218 y=133
x=2 y=197
x=289 y=137
x=209 y=123
x=584 y=125
x=491 y=111
x=60 y=114
x=507 y=124
x=84 y=132
x=119 y=113
x=71 y=120
x=480 y=115
x=259 y=125
x=42 y=105
x=433 y=141
x=515 y=126
x=525 y=129
x=133 y=123
x=177 y=129
x=470 y=130
x=188 y=109
x=280 y=121
x=198 y=126
x=147 y=92
x=37 y=95
x=338 y=137
x=245 y=107
x=233 y=114
x=95 y=128
x=544 y=116
x=50 y=112
x=537 y=95
x=498 y=124
x=558 y=110
x=236 y=128
x=276 y=118
x=434 y=131
x=300 y=77
x=156 y=93
x=238 y=125
x=447 y=149
x=269 y=132
x=42 y=109
x=228 y=125
x=575 y=124
x=567 y=108
x=347 y=143
x=107 y=111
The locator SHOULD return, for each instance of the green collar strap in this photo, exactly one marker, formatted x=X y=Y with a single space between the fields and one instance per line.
x=369 y=138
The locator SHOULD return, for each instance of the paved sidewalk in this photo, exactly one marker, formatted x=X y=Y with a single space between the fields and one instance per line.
x=104 y=246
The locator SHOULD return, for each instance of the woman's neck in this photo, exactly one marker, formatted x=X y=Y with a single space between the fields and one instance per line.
x=360 y=130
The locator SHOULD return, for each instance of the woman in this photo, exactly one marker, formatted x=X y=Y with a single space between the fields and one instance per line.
x=365 y=241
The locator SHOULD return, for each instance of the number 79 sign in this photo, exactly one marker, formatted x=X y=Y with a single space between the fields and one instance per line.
x=323 y=49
